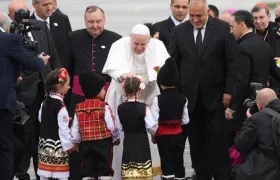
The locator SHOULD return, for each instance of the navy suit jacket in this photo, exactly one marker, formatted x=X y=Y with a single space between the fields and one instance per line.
x=13 y=55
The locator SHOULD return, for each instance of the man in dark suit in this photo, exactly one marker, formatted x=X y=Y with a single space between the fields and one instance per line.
x=203 y=49
x=12 y=57
x=58 y=24
x=255 y=59
x=179 y=10
x=31 y=90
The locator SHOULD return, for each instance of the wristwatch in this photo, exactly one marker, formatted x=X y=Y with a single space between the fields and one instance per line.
x=120 y=79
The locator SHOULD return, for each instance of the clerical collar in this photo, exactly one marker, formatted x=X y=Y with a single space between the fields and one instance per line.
x=175 y=21
x=246 y=33
x=263 y=34
x=40 y=19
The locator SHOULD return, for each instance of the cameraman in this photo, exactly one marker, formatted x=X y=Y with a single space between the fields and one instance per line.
x=13 y=55
x=254 y=62
x=259 y=140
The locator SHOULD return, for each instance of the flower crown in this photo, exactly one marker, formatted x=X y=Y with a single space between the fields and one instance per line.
x=62 y=77
x=142 y=80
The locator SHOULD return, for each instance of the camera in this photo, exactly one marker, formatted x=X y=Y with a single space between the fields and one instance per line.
x=250 y=103
x=20 y=121
x=21 y=26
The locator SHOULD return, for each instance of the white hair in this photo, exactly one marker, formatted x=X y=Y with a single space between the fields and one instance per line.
x=5 y=21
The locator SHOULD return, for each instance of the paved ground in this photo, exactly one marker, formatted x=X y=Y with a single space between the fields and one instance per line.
x=121 y=15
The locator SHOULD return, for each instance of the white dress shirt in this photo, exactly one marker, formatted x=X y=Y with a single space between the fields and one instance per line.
x=176 y=22
x=2 y=30
x=40 y=19
x=195 y=32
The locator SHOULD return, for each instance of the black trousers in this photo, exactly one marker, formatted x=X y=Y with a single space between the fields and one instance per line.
x=208 y=143
x=171 y=151
x=6 y=145
x=96 y=158
x=32 y=137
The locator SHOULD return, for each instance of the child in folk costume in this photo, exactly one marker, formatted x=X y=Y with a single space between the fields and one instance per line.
x=136 y=119
x=95 y=126
x=55 y=139
x=170 y=111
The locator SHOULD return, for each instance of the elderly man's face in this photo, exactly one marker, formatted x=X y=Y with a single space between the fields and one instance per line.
x=180 y=9
x=43 y=8
x=95 y=22
x=261 y=19
x=198 y=14
x=139 y=43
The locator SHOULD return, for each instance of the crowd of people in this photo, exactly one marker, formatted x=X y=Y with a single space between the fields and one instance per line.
x=103 y=106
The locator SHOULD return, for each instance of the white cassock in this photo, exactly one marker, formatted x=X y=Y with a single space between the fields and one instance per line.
x=121 y=59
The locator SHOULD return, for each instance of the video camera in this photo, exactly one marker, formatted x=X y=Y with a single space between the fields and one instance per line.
x=21 y=26
x=250 y=103
x=20 y=121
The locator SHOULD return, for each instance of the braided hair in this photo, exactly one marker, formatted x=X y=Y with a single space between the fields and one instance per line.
x=53 y=80
x=132 y=86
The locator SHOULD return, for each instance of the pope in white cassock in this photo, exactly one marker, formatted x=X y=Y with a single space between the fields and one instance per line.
x=137 y=54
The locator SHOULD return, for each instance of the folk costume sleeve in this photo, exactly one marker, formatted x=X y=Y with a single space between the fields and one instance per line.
x=40 y=113
x=151 y=123
x=75 y=131
x=185 y=118
x=64 y=131
x=155 y=110
x=111 y=123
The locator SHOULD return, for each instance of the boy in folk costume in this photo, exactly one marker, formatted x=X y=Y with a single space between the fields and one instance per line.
x=170 y=109
x=95 y=127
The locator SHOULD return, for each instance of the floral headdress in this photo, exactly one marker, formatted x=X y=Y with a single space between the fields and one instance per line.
x=157 y=68
x=62 y=77
x=142 y=80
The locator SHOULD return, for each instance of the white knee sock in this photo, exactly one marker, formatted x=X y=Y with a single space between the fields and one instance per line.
x=43 y=178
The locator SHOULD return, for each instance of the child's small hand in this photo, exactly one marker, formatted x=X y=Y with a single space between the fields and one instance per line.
x=73 y=149
x=117 y=142
x=154 y=141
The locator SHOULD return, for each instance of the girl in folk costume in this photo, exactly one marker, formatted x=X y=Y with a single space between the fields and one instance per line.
x=55 y=139
x=170 y=111
x=95 y=127
x=135 y=118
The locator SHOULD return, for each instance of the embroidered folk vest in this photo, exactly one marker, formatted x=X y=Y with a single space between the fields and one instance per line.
x=90 y=115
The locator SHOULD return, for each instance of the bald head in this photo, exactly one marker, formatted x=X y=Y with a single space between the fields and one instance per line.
x=225 y=17
x=265 y=96
x=15 y=5
x=198 y=13
x=5 y=22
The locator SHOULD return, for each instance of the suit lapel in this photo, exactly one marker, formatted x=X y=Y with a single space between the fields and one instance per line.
x=208 y=33
x=170 y=24
x=190 y=43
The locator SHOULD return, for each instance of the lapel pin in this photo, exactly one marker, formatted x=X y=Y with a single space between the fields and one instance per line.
x=103 y=47
x=55 y=24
